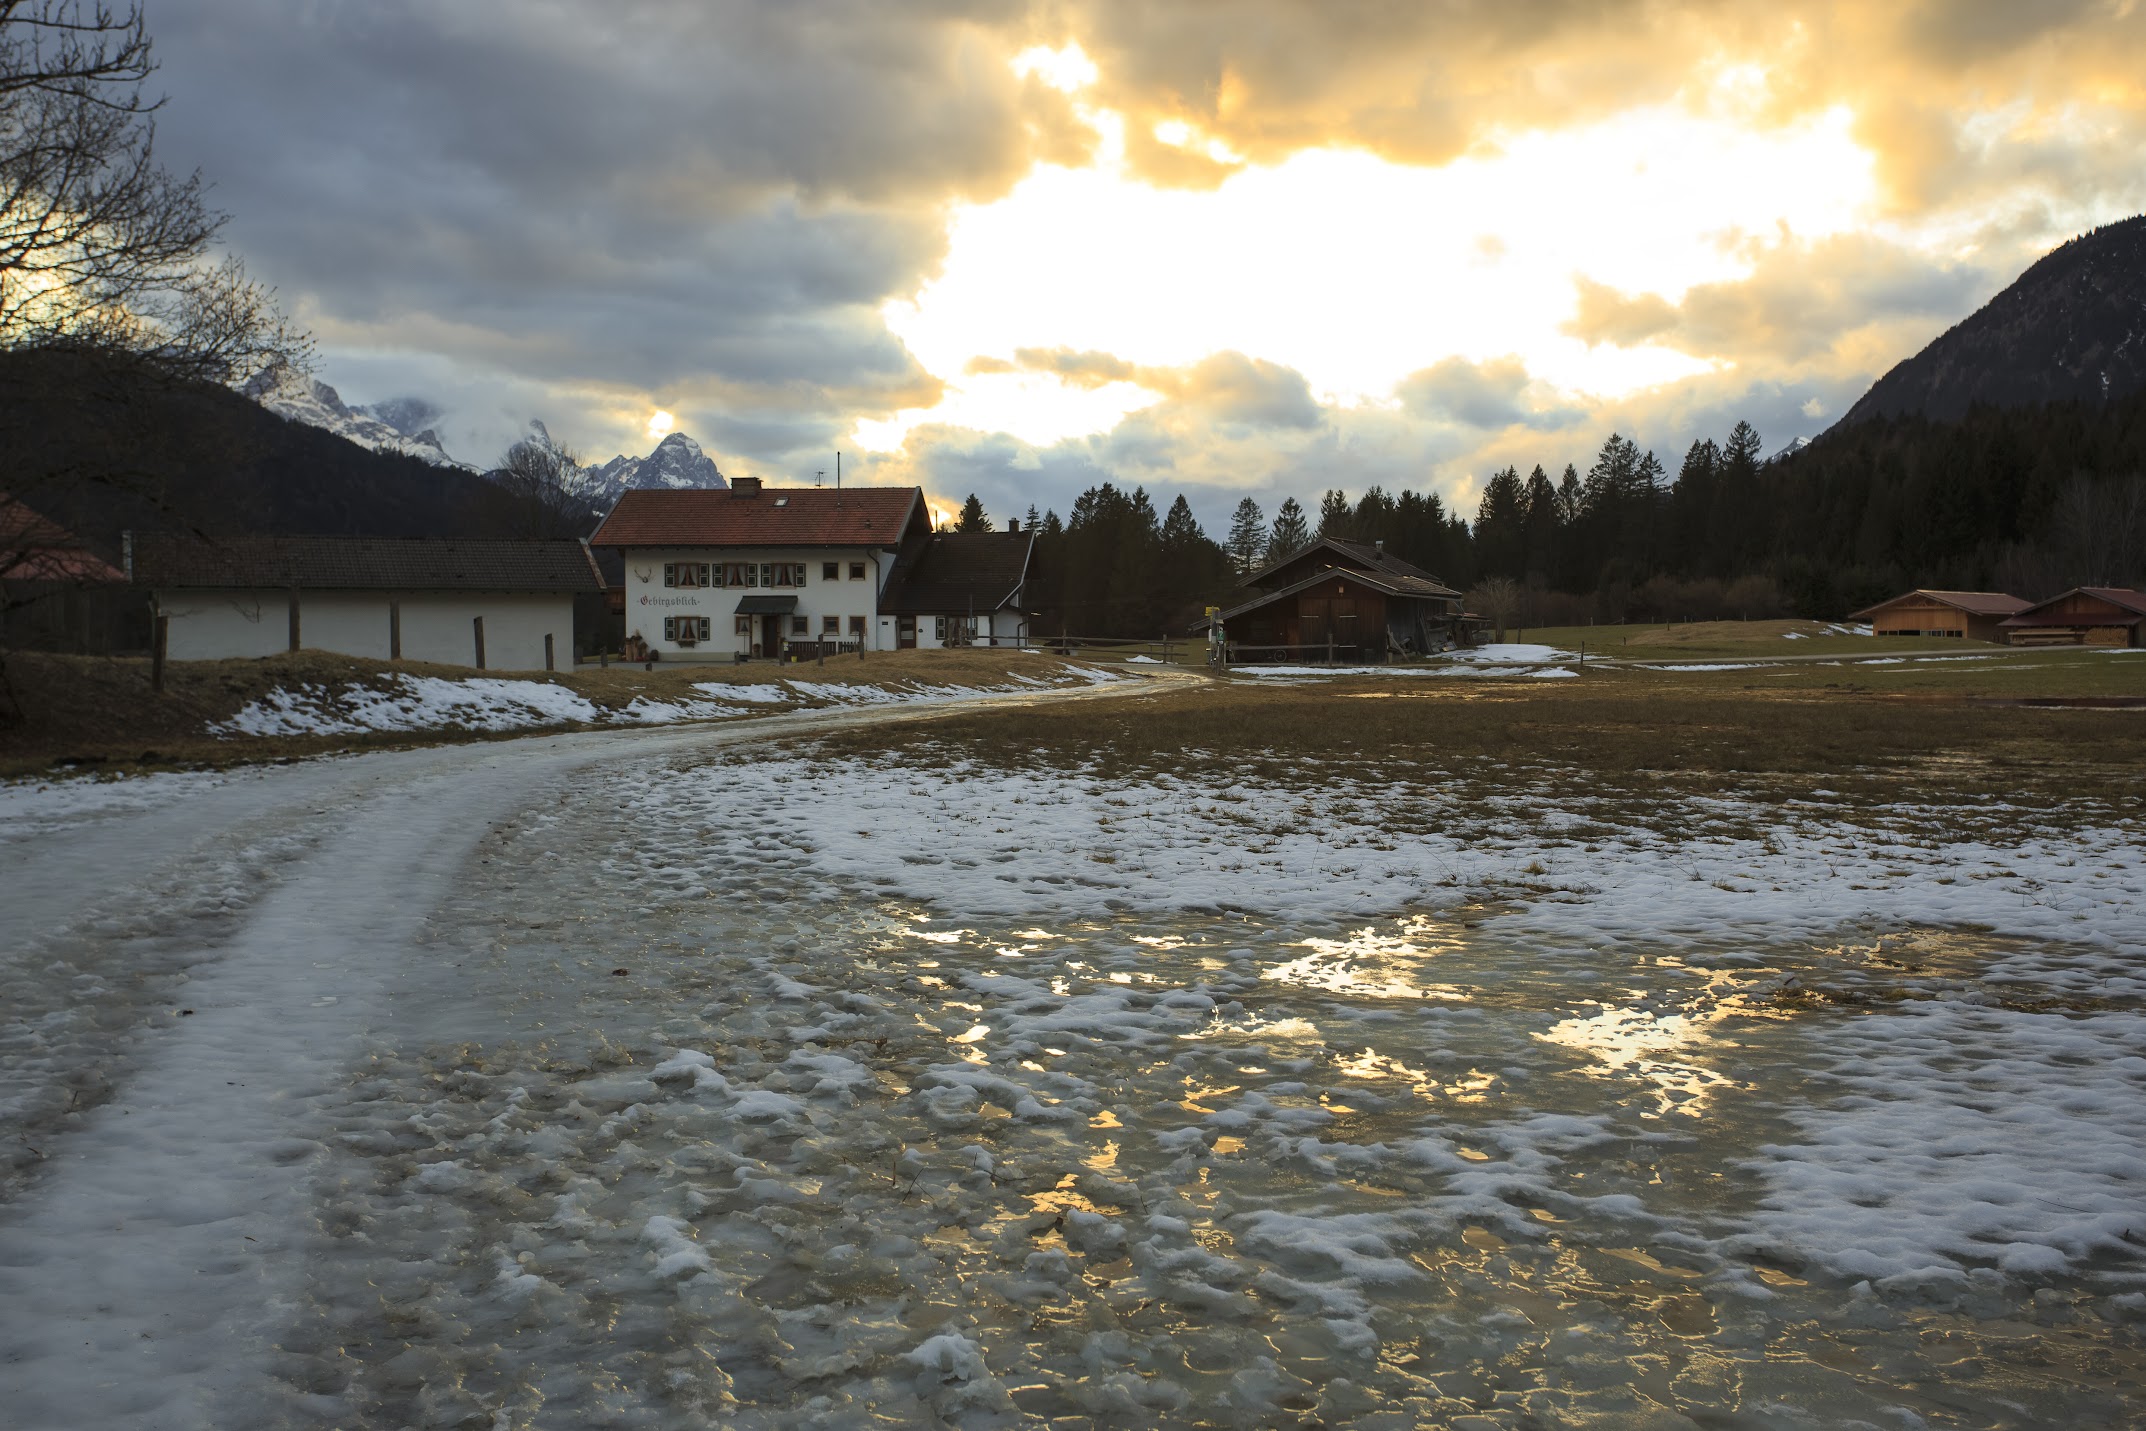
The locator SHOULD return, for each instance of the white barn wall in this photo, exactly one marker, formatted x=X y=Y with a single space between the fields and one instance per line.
x=436 y=626
x=216 y=625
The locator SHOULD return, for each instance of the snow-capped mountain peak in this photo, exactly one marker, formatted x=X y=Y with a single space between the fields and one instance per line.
x=392 y=426
x=678 y=462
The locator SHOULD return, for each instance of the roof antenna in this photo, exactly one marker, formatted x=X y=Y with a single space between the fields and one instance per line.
x=838 y=478
x=819 y=478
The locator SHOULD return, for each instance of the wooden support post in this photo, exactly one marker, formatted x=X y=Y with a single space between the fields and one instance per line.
x=157 y=648
x=1329 y=648
x=547 y=653
x=394 y=631
x=477 y=625
x=822 y=653
x=294 y=618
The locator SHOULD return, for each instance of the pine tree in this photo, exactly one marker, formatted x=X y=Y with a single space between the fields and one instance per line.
x=972 y=518
x=1180 y=529
x=1291 y=533
x=1336 y=517
x=1500 y=523
x=1247 y=545
x=1539 y=547
x=1568 y=496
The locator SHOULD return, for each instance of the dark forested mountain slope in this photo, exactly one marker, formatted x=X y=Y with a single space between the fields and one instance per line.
x=2070 y=329
x=101 y=445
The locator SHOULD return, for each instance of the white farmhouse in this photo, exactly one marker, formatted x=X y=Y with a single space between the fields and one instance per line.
x=768 y=572
x=499 y=605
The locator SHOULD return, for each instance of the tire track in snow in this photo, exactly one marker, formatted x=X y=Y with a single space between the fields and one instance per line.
x=149 y=1264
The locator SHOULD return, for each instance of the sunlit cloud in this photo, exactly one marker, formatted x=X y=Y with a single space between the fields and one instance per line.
x=1356 y=271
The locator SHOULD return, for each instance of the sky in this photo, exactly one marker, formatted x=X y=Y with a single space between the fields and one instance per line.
x=1265 y=248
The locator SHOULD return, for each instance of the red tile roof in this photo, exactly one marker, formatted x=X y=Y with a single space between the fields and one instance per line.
x=35 y=548
x=1981 y=603
x=771 y=517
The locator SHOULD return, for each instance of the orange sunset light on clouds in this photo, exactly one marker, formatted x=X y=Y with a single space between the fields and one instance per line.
x=1264 y=246
x=1347 y=258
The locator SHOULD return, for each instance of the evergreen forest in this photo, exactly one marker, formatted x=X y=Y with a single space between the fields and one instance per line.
x=2030 y=500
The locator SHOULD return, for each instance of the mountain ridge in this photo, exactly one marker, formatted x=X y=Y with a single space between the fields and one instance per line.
x=2071 y=328
x=391 y=427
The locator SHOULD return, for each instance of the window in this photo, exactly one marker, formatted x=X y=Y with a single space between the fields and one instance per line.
x=830 y=626
x=685 y=573
x=745 y=626
x=734 y=573
x=856 y=571
x=685 y=630
x=767 y=574
x=856 y=627
x=830 y=571
x=800 y=626
x=782 y=573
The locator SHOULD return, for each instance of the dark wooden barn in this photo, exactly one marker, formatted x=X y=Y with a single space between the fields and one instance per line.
x=1338 y=600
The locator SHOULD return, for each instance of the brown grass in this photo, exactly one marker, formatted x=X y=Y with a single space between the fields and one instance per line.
x=98 y=712
x=1616 y=738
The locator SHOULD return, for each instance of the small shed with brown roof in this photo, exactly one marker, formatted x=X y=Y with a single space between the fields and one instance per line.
x=1975 y=615
x=57 y=594
x=506 y=605
x=2083 y=616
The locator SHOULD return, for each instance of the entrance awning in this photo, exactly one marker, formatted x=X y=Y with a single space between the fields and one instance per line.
x=766 y=605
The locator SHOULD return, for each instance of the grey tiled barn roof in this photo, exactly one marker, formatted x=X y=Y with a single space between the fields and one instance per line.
x=363 y=564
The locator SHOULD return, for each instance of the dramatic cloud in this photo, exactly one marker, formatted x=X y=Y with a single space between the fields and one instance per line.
x=1487 y=395
x=1261 y=247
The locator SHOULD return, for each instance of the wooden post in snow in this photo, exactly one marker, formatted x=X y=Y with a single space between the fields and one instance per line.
x=477 y=625
x=157 y=647
x=547 y=653
x=394 y=631
x=294 y=618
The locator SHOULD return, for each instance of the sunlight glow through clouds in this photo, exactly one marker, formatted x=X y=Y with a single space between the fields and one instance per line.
x=1356 y=271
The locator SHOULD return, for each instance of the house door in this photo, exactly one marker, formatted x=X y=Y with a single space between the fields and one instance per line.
x=905 y=633
x=1312 y=625
x=771 y=635
x=1343 y=618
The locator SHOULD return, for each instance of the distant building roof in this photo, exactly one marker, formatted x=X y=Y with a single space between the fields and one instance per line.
x=749 y=515
x=363 y=564
x=2121 y=597
x=1362 y=556
x=1980 y=603
x=1423 y=588
x=960 y=572
x=33 y=547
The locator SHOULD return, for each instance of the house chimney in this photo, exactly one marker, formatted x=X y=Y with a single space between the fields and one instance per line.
x=1379 y=544
x=1013 y=526
x=745 y=486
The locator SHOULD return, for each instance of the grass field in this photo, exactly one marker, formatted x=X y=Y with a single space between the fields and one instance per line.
x=1950 y=729
x=1831 y=713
